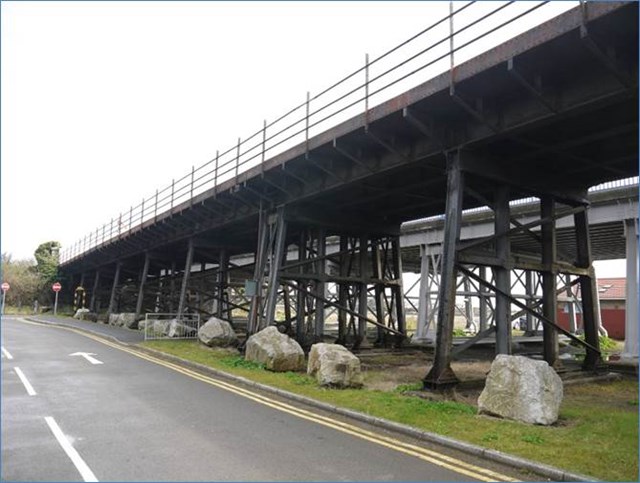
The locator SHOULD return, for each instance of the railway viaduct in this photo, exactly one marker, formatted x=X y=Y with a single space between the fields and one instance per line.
x=547 y=114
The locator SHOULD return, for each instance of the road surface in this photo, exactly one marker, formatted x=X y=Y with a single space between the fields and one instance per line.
x=79 y=408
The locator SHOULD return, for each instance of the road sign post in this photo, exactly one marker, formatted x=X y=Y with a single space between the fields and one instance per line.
x=56 y=287
x=5 y=288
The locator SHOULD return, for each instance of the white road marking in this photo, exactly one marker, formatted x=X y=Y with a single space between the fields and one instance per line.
x=87 y=356
x=73 y=455
x=5 y=352
x=25 y=382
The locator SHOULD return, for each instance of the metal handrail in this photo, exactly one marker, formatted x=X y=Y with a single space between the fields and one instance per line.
x=308 y=118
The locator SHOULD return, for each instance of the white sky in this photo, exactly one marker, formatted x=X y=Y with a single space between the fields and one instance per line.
x=103 y=102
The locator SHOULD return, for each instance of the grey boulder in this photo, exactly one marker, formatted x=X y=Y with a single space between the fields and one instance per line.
x=79 y=312
x=333 y=365
x=217 y=333
x=278 y=352
x=523 y=390
x=179 y=329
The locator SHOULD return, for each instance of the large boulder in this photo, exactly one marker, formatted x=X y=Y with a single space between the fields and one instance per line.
x=522 y=389
x=155 y=327
x=177 y=328
x=79 y=312
x=90 y=316
x=334 y=365
x=217 y=333
x=278 y=352
x=125 y=319
x=128 y=320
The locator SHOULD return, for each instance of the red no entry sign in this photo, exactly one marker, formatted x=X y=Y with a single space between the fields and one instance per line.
x=56 y=287
x=5 y=286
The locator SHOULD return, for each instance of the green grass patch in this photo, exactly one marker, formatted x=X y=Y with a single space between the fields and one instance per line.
x=402 y=388
x=239 y=361
x=597 y=433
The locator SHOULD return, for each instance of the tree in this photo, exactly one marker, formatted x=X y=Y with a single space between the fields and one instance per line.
x=48 y=258
x=26 y=284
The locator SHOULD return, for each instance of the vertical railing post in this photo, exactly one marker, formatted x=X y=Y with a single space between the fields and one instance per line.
x=120 y=226
x=130 y=217
x=173 y=185
x=366 y=91
x=142 y=212
x=306 y=127
x=451 y=46
x=215 y=173
x=237 y=160
x=193 y=172
x=111 y=229
x=155 y=208
x=264 y=144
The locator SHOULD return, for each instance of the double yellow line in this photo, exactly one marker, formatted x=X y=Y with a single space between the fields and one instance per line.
x=472 y=471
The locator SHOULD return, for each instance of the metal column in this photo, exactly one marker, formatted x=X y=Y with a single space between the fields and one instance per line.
x=343 y=292
x=320 y=285
x=549 y=296
x=274 y=267
x=112 y=299
x=172 y=286
x=222 y=282
x=573 y=326
x=503 y=273
x=441 y=374
x=361 y=339
x=423 y=330
x=301 y=297
x=143 y=280
x=94 y=292
x=398 y=288
x=468 y=304
x=588 y=289
x=631 y=315
x=377 y=272
x=185 y=279
x=482 y=296
x=528 y=282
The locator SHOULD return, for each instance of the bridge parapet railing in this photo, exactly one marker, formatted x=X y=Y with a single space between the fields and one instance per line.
x=469 y=29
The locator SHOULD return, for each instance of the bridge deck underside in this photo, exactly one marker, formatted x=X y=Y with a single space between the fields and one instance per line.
x=572 y=123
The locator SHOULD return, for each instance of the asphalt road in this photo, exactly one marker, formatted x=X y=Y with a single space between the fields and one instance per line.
x=133 y=418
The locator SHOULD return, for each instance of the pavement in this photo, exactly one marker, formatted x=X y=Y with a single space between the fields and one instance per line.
x=136 y=417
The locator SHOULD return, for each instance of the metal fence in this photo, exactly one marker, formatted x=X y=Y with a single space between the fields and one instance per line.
x=169 y=326
x=469 y=29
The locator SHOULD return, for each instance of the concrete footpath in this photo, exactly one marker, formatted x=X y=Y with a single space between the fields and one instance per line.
x=131 y=338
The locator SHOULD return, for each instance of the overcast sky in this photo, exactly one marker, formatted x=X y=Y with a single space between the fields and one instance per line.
x=103 y=102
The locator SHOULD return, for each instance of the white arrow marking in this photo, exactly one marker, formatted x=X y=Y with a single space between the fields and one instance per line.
x=87 y=356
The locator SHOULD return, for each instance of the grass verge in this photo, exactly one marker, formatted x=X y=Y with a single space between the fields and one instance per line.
x=597 y=433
